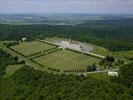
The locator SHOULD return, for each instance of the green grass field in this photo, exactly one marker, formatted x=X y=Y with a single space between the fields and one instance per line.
x=29 y=48
x=61 y=59
x=11 y=69
x=66 y=60
x=123 y=55
x=100 y=76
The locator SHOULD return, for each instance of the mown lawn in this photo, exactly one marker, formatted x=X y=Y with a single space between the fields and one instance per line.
x=29 y=48
x=100 y=76
x=66 y=60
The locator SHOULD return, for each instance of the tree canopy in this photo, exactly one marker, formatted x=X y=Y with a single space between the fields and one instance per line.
x=115 y=35
x=126 y=74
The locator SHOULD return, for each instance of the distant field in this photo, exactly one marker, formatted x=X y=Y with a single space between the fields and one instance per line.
x=66 y=60
x=29 y=48
x=124 y=55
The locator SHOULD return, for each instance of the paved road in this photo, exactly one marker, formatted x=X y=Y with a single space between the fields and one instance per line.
x=101 y=71
x=96 y=55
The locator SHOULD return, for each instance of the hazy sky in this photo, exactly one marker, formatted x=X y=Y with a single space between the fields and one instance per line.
x=66 y=6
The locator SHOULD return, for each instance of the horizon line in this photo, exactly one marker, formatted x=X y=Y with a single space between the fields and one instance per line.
x=73 y=13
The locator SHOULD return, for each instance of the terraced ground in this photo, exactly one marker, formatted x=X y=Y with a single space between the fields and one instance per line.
x=29 y=48
x=45 y=56
x=66 y=60
x=123 y=55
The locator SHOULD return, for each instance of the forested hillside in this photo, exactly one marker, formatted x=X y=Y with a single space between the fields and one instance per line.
x=5 y=60
x=30 y=84
x=115 y=35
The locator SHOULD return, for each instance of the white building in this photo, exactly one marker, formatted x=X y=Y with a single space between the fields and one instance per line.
x=65 y=42
x=24 y=39
x=112 y=73
x=70 y=45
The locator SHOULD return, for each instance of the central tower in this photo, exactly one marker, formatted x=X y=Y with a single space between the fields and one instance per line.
x=70 y=41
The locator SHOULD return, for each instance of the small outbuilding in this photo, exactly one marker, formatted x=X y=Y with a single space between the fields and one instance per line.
x=24 y=39
x=112 y=73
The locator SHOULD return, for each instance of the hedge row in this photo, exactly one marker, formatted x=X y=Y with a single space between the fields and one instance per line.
x=16 y=51
x=34 y=54
x=47 y=43
x=37 y=63
x=52 y=51
x=49 y=52
x=53 y=69
x=40 y=52
x=129 y=58
x=75 y=70
x=11 y=43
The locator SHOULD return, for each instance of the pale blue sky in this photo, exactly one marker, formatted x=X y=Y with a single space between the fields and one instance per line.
x=66 y=6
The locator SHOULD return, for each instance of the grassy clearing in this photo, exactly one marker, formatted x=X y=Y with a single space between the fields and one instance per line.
x=63 y=59
x=55 y=39
x=27 y=60
x=66 y=60
x=101 y=76
x=29 y=48
x=11 y=69
x=1 y=44
x=124 y=54
x=101 y=50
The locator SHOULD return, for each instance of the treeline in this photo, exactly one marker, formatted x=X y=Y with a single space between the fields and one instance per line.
x=113 y=35
x=44 y=52
x=47 y=43
x=125 y=75
x=30 y=84
x=5 y=60
x=54 y=69
x=16 y=51
x=75 y=70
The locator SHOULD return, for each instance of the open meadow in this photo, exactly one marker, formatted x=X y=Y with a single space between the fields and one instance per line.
x=66 y=60
x=29 y=48
x=49 y=56
x=11 y=69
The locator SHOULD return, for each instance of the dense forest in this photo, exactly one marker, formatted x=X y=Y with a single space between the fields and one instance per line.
x=30 y=84
x=5 y=60
x=115 y=35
